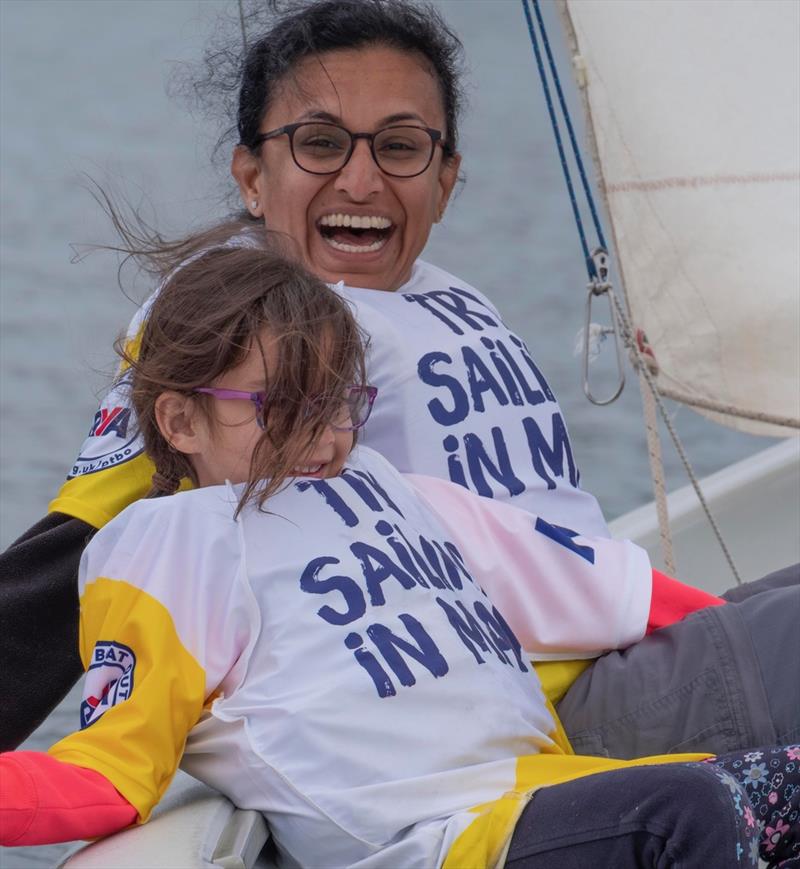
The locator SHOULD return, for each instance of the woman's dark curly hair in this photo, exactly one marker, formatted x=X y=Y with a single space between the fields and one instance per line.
x=273 y=36
x=311 y=28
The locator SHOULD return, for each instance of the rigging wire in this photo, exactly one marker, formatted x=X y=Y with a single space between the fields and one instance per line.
x=576 y=151
x=598 y=285
x=242 y=25
x=644 y=372
x=559 y=144
x=597 y=259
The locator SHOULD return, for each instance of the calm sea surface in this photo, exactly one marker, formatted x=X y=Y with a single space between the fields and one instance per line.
x=84 y=92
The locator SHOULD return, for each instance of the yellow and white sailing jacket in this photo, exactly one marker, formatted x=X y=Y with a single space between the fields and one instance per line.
x=333 y=663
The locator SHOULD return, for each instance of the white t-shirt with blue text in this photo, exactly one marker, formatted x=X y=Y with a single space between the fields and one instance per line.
x=461 y=398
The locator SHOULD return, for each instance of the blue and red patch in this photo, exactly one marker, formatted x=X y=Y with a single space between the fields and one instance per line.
x=109 y=680
x=113 y=438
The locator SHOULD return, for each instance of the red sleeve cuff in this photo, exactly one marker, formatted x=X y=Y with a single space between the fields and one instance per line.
x=44 y=800
x=672 y=600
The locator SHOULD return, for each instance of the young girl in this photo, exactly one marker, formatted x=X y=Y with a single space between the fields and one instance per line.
x=346 y=649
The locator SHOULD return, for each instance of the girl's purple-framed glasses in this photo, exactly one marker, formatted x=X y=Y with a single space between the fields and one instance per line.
x=357 y=400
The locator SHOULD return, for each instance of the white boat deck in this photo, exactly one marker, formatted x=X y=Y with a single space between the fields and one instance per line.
x=755 y=502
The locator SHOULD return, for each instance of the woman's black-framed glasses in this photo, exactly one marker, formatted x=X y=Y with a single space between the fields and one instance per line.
x=349 y=414
x=322 y=148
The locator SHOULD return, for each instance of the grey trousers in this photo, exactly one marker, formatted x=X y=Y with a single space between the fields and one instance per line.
x=722 y=679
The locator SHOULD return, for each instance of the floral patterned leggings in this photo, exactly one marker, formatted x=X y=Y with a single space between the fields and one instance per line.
x=765 y=786
x=721 y=813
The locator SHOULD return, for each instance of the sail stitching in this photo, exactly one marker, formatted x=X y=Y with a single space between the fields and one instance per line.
x=693 y=181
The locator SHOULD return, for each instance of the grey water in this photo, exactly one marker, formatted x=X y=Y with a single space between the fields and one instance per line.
x=84 y=91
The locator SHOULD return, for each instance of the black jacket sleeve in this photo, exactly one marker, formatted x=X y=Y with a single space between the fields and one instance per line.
x=39 y=660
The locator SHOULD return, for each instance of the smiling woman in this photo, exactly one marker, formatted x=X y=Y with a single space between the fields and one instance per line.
x=358 y=206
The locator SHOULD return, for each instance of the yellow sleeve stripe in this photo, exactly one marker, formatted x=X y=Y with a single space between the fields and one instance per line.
x=137 y=744
x=97 y=498
x=132 y=347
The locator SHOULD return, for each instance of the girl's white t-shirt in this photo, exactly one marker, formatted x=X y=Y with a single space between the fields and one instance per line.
x=351 y=677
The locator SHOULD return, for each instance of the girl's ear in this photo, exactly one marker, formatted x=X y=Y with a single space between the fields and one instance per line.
x=178 y=421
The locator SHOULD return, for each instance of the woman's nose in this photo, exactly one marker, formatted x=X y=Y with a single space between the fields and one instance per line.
x=360 y=178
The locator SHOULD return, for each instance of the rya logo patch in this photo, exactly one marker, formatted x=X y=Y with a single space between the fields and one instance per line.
x=109 y=680
x=110 y=420
x=113 y=438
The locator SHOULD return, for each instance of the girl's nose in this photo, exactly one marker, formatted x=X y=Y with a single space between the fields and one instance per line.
x=327 y=436
x=361 y=177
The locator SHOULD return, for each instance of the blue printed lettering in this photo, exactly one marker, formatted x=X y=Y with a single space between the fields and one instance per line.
x=500 y=634
x=480 y=380
x=426 y=303
x=454 y=467
x=452 y=300
x=496 y=372
x=467 y=628
x=361 y=482
x=501 y=471
x=107 y=652
x=458 y=394
x=533 y=367
x=432 y=558
x=488 y=632
x=458 y=563
x=467 y=295
x=347 y=587
x=422 y=563
x=505 y=373
x=377 y=567
x=493 y=632
x=392 y=648
x=532 y=396
x=564 y=537
x=332 y=498
x=380 y=678
x=452 y=568
x=553 y=456
x=385 y=530
x=478 y=461
x=437 y=302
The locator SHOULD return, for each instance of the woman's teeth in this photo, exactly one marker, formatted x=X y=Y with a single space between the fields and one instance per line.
x=355 y=248
x=355 y=221
x=355 y=233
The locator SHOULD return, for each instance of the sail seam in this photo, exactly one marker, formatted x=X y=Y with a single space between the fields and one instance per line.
x=693 y=181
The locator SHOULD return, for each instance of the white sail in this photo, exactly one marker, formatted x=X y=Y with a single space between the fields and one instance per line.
x=694 y=109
